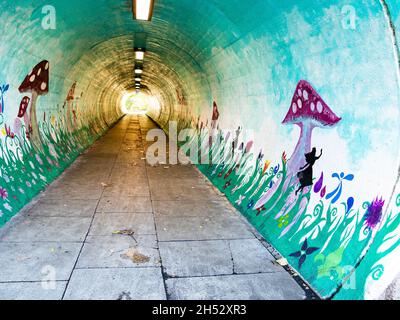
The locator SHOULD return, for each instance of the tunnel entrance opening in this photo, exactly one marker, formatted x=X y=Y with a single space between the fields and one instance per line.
x=135 y=102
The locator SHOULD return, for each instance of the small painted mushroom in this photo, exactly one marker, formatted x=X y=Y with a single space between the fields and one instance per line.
x=70 y=114
x=308 y=111
x=23 y=106
x=37 y=83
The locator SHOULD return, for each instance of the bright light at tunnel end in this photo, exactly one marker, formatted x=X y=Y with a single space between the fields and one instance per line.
x=136 y=102
x=143 y=9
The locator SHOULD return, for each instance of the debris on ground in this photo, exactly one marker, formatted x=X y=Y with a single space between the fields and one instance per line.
x=282 y=262
x=126 y=232
x=103 y=184
x=135 y=256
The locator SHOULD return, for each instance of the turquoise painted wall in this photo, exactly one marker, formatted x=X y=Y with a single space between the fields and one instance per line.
x=248 y=57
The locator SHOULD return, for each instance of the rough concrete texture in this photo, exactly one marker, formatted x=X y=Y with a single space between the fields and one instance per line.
x=140 y=247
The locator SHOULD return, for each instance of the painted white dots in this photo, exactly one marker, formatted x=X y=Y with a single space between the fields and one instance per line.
x=299 y=103
x=294 y=107
x=319 y=107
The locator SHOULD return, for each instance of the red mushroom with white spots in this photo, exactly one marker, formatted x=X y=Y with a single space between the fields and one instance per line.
x=37 y=83
x=308 y=111
x=23 y=106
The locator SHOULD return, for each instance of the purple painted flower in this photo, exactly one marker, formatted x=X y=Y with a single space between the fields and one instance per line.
x=303 y=253
x=3 y=193
x=374 y=213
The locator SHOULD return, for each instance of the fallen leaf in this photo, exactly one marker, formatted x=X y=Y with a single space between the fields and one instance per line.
x=126 y=232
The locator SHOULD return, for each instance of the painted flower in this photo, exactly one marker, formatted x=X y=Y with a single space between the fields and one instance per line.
x=260 y=210
x=3 y=193
x=250 y=204
x=52 y=150
x=227 y=184
x=350 y=203
x=240 y=200
x=303 y=253
x=284 y=159
x=266 y=165
x=39 y=159
x=260 y=155
x=374 y=213
x=235 y=189
x=283 y=221
x=7 y=207
x=276 y=169
x=335 y=194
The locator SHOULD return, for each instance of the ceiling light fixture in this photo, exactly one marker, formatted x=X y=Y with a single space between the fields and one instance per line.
x=139 y=54
x=143 y=9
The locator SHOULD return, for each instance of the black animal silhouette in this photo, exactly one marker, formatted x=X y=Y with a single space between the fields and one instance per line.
x=306 y=174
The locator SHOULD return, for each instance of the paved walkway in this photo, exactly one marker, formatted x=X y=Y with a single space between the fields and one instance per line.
x=113 y=227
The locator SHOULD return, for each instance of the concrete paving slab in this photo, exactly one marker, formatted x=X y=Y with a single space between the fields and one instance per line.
x=265 y=286
x=83 y=192
x=32 y=290
x=125 y=204
x=64 y=208
x=192 y=208
x=106 y=224
x=118 y=251
x=118 y=189
x=64 y=229
x=116 y=284
x=181 y=190
x=196 y=258
x=31 y=261
x=250 y=256
x=201 y=228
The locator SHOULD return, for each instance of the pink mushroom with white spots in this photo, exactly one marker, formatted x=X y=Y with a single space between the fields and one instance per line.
x=308 y=111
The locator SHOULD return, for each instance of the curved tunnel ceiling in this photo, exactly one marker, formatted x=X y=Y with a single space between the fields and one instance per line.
x=248 y=57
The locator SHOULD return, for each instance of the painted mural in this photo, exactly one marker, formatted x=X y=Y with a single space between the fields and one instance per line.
x=326 y=206
x=35 y=150
x=335 y=246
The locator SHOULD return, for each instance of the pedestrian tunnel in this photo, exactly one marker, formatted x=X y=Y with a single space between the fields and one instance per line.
x=303 y=99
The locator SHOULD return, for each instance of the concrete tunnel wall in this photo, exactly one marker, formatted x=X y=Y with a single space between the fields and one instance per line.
x=248 y=58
